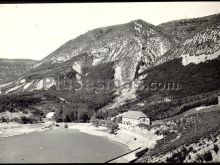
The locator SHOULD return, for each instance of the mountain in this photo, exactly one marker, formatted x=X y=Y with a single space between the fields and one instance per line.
x=200 y=46
x=190 y=67
x=132 y=42
x=128 y=48
x=186 y=28
x=111 y=43
x=13 y=68
x=197 y=45
x=126 y=53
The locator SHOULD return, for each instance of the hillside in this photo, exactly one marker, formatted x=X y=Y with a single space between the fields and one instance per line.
x=126 y=45
x=126 y=53
x=109 y=43
x=192 y=137
x=186 y=28
x=186 y=71
x=201 y=45
x=129 y=48
x=191 y=79
x=14 y=68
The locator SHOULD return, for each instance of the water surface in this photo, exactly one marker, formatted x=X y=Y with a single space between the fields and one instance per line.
x=58 y=146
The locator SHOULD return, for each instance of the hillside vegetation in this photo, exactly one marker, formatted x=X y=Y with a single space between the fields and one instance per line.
x=186 y=137
x=11 y=69
x=186 y=28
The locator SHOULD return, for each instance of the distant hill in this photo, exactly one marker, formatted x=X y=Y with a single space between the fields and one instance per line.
x=197 y=45
x=186 y=28
x=13 y=68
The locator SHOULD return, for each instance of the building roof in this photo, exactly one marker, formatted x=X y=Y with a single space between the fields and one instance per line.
x=134 y=114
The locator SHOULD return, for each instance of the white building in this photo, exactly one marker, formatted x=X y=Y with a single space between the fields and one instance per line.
x=133 y=118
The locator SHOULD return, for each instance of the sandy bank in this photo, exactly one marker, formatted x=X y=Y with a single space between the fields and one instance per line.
x=13 y=128
x=132 y=137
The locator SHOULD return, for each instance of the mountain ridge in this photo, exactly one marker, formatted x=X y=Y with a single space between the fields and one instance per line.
x=127 y=45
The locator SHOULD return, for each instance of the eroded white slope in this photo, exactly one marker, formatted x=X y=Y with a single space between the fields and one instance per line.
x=203 y=46
x=187 y=59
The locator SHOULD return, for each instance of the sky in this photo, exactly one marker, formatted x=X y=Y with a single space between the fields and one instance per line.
x=33 y=31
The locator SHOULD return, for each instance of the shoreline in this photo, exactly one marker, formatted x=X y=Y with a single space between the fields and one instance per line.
x=97 y=131
x=127 y=137
x=15 y=129
x=102 y=131
x=131 y=138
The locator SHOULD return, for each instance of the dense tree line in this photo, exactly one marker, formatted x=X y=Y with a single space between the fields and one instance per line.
x=81 y=107
x=193 y=79
x=14 y=101
x=161 y=109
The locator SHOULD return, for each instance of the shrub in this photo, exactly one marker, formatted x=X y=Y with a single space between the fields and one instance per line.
x=216 y=149
x=112 y=126
x=102 y=122
x=207 y=156
x=189 y=157
x=38 y=112
x=25 y=111
x=199 y=159
x=59 y=119
x=66 y=126
x=94 y=120
x=16 y=119
x=4 y=119
x=119 y=119
x=145 y=126
x=179 y=156
x=28 y=120
x=215 y=140
x=83 y=116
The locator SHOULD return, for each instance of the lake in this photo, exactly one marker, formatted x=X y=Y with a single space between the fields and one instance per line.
x=59 y=146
